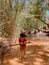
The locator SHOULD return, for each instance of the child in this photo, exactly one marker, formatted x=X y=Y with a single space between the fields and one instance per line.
x=22 y=43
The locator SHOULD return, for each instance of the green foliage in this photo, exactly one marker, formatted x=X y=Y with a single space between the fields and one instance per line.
x=37 y=7
x=10 y=12
x=22 y=17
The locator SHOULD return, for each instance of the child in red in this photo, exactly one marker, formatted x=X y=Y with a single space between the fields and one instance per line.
x=22 y=43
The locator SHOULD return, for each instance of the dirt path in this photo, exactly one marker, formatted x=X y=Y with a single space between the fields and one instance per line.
x=37 y=54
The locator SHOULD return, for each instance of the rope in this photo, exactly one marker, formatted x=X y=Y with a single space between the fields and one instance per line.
x=18 y=44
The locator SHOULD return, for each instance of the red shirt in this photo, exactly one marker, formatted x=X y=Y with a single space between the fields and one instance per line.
x=22 y=40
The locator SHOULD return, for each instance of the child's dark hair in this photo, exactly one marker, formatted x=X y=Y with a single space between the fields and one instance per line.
x=23 y=35
x=34 y=32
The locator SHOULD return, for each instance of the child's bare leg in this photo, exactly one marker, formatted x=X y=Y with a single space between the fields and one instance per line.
x=25 y=52
x=20 y=53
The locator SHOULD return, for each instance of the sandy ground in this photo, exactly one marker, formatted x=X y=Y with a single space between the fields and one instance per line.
x=37 y=53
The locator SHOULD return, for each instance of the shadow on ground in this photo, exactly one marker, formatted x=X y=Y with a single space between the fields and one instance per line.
x=36 y=55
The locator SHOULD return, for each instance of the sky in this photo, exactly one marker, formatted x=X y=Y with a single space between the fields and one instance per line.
x=19 y=1
x=25 y=1
x=48 y=12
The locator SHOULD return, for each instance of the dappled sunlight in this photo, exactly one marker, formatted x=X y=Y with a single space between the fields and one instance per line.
x=35 y=55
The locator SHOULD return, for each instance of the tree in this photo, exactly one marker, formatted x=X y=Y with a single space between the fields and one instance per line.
x=9 y=10
x=38 y=9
